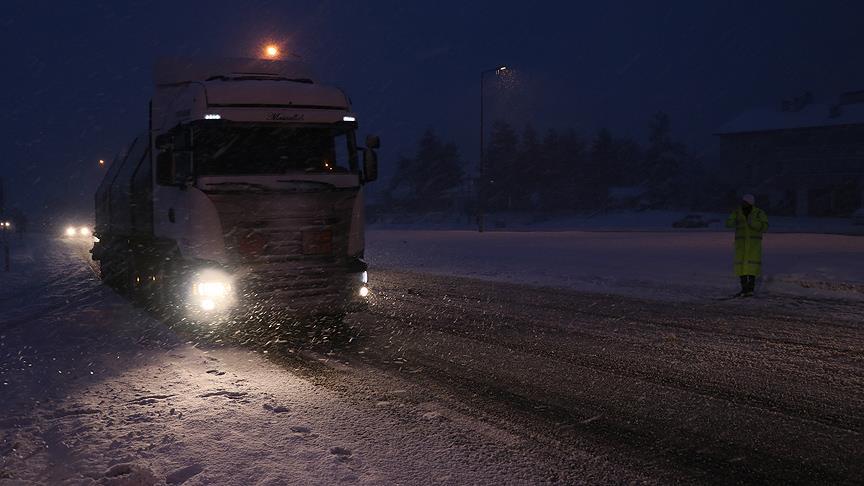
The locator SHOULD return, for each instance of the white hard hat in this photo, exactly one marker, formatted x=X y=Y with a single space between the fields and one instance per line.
x=749 y=199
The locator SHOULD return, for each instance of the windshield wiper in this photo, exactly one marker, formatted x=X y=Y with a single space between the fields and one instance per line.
x=307 y=182
x=297 y=185
x=249 y=185
x=224 y=148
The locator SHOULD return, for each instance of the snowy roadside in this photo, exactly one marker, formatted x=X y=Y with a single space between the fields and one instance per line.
x=95 y=391
x=617 y=221
x=661 y=265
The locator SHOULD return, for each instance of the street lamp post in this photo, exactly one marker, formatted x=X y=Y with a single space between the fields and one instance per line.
x=481 y=166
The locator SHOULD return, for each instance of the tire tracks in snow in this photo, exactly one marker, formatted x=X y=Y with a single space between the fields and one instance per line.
x=440 y=311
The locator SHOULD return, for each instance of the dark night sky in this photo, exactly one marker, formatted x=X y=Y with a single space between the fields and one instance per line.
x=76 y=74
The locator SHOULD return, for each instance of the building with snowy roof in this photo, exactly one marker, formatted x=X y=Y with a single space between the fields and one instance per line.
x=801 y=158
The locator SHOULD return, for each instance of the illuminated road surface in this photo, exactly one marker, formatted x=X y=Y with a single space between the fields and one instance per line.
x=443 y=380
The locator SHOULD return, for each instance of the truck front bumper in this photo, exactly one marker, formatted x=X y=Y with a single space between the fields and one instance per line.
x=304 y=290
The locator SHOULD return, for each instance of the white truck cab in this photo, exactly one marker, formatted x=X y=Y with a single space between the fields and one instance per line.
x=245 y=193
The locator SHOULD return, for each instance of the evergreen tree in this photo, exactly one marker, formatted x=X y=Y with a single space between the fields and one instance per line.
x=599 y=168
x=439 y=170
x=529 y=169
x=571 y=169
x=550 y=171
x=665 y=160
x=626 y=172
x=553 y=173
x=427 y=180
x=502 y=187
x=401 y=190
x=615 y=160
x=560 y=173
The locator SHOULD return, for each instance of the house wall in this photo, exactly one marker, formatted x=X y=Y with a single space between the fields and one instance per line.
x=805 y=172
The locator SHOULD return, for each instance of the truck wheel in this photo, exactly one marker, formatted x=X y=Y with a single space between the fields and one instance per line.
x=165 y=292
x=111 y=273
x=132 y=279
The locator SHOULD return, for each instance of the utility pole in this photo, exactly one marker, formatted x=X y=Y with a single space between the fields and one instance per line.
x=481 y=166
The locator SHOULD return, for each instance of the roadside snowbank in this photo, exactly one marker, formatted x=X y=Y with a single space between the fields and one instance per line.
x=653 y=220
x=668 y=265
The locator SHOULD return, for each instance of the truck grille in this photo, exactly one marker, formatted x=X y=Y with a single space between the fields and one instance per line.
x=267 y=240
x=289 y=248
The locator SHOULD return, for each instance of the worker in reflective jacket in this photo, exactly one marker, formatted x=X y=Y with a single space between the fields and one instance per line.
x=749 y=223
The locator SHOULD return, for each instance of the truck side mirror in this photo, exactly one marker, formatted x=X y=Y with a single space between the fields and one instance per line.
x=373 y=142
x=370 y=164
x=370 y=158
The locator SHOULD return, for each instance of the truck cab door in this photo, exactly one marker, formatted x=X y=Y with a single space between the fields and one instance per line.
x=181 y=212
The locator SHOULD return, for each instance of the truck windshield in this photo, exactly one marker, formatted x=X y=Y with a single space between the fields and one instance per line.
x=248 y=149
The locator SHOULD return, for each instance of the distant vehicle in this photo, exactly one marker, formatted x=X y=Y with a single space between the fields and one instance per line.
x=245 y=193
x=78 y=232
x=693 y=221
x=858 y=217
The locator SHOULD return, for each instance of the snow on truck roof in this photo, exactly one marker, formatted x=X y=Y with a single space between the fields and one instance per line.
x=255 y=83
x=176 y=70
x=264 y=92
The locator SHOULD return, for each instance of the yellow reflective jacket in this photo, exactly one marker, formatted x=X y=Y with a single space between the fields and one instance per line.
x=748 y=240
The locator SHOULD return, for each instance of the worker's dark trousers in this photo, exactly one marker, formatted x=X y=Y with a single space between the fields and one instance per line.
x=748 y=283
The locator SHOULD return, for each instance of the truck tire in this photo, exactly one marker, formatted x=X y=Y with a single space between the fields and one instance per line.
x=111 y=272
x=132 y=279
x=166 y=290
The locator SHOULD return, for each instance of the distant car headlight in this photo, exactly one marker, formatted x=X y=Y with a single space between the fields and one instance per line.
x=84 y=231
x=212 y=290
x=71 y=231
x=364 y=291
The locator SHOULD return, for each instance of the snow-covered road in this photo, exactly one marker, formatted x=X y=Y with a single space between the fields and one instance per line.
x=445 y=380
x=97 y=391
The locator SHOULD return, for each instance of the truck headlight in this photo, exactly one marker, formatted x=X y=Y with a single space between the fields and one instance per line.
x=364 y=281
x=212 y=290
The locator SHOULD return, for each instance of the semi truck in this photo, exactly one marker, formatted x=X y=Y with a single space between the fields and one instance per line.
x=244 y=194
